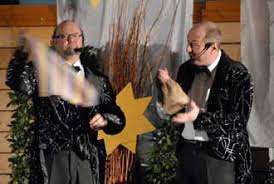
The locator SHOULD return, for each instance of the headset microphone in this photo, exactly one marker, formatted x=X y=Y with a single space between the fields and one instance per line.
x=195 y=56
x=207 y=45
x=81 y=49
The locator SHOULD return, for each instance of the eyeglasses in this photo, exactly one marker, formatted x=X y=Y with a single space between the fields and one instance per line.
x=73 y=36
x=194 y=45
x=197 y=46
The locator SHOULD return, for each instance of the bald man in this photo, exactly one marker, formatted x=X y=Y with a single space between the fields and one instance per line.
x=213 y=146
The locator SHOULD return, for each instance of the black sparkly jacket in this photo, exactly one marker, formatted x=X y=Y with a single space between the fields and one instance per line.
x=59 y=125
x=228 y=109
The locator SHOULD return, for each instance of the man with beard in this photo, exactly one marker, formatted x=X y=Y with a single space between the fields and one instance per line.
x=64 y=141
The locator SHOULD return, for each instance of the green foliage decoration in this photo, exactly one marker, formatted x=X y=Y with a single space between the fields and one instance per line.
x=162 y=160
x=20 y=137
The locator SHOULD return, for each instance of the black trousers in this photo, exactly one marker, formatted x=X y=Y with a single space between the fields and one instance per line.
x=195 y=166
x=67 y=168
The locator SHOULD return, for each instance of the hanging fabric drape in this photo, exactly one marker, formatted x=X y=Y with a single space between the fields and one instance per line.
x=257 y=53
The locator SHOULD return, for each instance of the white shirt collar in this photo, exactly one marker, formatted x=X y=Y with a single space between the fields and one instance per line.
x=77 y=63
x=81 y=72
x=215 y=63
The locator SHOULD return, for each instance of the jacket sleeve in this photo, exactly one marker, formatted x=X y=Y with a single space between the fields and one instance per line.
x=110 y=110
x=20 y=76
x=235 y=104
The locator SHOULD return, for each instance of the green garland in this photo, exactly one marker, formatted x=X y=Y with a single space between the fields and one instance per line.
x=162 y=160
x=20 y=137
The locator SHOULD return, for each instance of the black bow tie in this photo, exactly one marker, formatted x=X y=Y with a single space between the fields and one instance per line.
x=198 y=69
x=76 y=68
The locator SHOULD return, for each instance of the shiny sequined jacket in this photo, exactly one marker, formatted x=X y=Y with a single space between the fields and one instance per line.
x=228 y=109
x=58 y=124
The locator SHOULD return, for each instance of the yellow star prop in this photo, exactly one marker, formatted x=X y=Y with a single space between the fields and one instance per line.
x=136 y=122
x=94 y=3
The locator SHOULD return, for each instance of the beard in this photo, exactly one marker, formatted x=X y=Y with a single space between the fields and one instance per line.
x=69 y=52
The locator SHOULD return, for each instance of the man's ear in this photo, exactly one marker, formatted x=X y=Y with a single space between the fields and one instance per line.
x=216 y=45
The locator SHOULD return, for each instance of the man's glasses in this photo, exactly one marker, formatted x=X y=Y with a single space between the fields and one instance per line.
x=194 y=45
x=73 y=36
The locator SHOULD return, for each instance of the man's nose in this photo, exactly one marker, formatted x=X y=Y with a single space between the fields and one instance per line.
x=70 y=37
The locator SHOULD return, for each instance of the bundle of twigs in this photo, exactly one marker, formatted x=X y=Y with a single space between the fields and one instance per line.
x=120 y=166
x=127 y=56
x=121 y=52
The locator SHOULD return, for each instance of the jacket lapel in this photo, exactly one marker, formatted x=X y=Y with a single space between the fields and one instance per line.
x=218 y=82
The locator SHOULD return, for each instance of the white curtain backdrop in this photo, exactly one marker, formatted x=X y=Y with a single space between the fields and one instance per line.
x=257 y=53
x=96 y=21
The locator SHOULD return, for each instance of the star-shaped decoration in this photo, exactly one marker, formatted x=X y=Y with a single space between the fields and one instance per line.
x=136 y=122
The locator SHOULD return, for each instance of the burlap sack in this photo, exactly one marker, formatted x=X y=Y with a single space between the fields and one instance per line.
x=174 y=98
